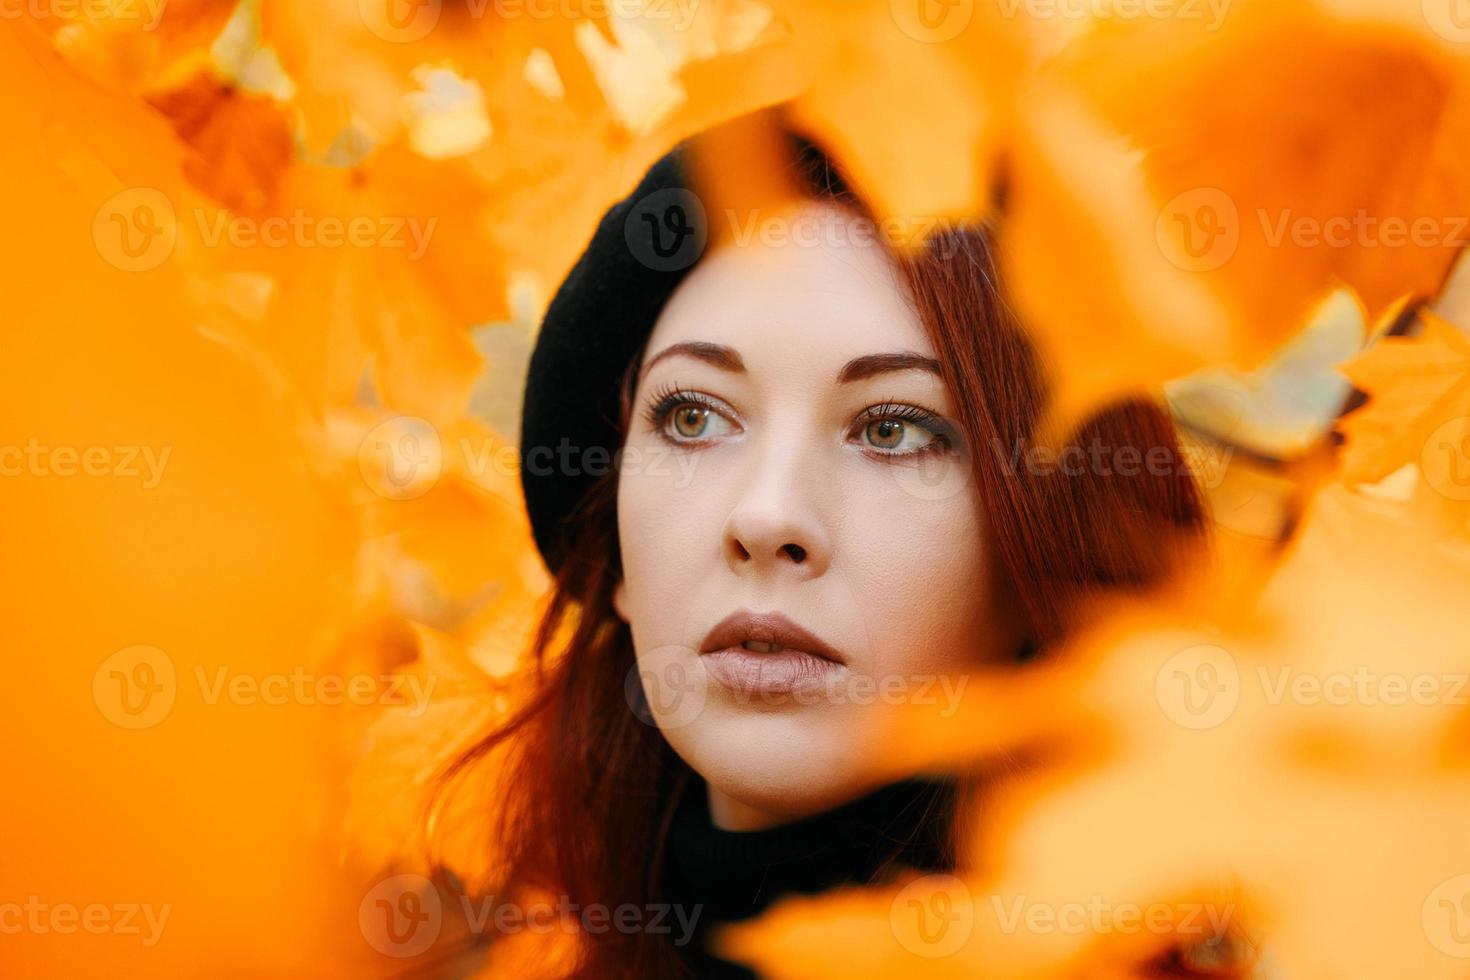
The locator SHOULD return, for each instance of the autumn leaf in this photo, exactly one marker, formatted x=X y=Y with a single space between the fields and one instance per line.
x=1416 y=386
x=395 y=781
x=918 y=107
x=242 y=141
x=131 y=44
x=259 y=241
x=1190 y=213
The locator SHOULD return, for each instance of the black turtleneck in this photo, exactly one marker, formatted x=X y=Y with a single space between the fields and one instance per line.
x=734 y=875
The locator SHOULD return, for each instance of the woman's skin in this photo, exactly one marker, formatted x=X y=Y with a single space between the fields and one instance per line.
x=890 y=566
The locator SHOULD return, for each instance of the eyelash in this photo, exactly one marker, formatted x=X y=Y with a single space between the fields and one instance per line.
x=666 y=398
x=662 y=402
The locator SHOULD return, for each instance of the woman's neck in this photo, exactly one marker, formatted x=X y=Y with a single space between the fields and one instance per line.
x=728 y=813
x=732 y=872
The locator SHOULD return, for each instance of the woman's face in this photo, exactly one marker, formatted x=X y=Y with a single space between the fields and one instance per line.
x=793 y=452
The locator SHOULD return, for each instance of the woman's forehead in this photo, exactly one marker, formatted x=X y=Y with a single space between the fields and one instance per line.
x=806 y=280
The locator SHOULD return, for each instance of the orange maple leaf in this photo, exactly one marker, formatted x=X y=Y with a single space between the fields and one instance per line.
x=1418 y=410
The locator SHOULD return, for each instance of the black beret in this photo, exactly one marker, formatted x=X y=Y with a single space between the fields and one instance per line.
x=596 y=323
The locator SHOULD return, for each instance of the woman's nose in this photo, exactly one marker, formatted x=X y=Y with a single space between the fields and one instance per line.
x=777 y=523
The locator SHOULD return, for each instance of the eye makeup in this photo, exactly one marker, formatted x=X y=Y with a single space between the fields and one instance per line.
x=943 y=439
x=664 y=401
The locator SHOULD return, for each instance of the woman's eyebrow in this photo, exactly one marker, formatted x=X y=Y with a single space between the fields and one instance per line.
x=722 y=357
x=866 y=366
x=871 y=364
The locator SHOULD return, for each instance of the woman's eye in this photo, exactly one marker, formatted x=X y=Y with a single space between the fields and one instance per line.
x=691 y=420
x=1228 y=957
x=894 y=435
x=897 y=436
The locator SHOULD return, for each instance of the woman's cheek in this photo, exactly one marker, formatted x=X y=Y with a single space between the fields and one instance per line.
x=922 y=568
x=669 y=530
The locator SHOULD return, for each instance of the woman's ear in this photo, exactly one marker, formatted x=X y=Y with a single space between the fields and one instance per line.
x=618 y=599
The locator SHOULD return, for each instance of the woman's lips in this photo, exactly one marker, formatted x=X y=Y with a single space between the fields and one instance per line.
x=787 y=657
x=776 y=672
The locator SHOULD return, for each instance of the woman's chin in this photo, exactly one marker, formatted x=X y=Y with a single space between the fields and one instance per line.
x=778 y=767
